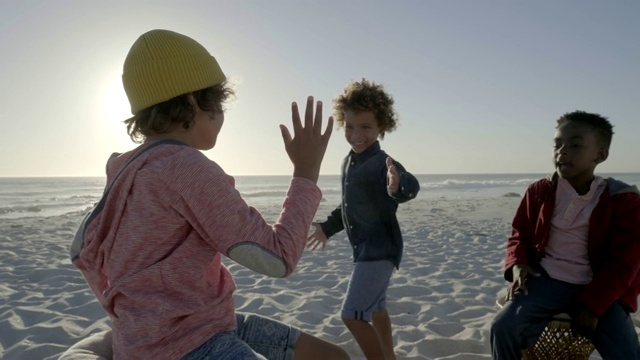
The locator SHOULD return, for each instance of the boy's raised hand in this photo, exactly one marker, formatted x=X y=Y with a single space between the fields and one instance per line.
x=393 y=178
x=307 y=147
x=317 y=238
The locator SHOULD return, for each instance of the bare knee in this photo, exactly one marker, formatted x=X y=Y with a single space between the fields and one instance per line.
x=310 y=347
x=354 y=323
x=381 y=316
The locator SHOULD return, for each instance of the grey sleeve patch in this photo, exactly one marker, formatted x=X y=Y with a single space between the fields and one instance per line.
x=258 y=259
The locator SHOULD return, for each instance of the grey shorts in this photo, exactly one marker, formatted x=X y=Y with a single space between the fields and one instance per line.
x=256 y=337
x=367 y=291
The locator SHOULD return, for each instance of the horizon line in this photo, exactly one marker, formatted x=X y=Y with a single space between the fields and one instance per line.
x=332 y=174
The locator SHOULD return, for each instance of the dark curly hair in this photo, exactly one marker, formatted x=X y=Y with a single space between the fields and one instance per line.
x=366 y=95
x=599 y=124
x=178 y=111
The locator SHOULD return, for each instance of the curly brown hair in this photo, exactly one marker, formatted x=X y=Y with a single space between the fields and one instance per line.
x=366 y=95
x=178 y=111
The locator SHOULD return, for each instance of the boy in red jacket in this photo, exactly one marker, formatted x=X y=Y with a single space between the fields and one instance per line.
x=574 y=248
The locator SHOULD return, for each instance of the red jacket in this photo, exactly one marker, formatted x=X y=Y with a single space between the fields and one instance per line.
x=613 y=243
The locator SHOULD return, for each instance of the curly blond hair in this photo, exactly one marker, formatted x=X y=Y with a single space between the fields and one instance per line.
x=366 y=95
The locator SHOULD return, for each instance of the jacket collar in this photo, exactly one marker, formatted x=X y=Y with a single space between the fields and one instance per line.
x=614 y=186
x=363 y=156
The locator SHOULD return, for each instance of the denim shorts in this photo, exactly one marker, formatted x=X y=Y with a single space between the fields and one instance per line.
x=367 y=290
x=256 y=337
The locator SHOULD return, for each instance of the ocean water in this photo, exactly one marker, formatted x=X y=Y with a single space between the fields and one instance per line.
x=55 y=196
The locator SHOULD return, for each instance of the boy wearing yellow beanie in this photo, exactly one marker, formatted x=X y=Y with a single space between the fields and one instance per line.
x=151 y=249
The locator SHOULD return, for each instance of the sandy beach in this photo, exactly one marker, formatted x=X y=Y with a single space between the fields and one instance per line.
x=441 y=301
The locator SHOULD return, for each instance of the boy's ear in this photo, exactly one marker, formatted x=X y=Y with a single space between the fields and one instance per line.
x=603 y=154
x=194 y=104
x=382 y=132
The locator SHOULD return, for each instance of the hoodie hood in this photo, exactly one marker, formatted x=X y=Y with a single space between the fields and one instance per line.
x=121 y=170
x=615 y=187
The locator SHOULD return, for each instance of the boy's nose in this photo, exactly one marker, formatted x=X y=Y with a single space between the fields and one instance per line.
x=561 y=155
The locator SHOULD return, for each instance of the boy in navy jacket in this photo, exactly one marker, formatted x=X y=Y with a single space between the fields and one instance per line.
x=372 y=186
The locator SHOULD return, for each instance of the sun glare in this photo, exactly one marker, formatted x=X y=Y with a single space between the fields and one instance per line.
x=115 y=109
x=116 y=105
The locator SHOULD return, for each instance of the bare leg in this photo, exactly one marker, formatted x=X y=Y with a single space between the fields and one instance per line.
x=311 y=348
x=382 y=324
x=367 y=337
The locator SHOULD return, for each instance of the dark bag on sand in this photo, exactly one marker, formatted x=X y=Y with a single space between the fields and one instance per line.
x=78 y=239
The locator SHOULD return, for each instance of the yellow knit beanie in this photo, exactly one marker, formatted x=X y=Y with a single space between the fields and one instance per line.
x=163 y=64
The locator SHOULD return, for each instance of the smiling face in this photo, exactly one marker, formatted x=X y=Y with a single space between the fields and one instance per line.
x=360 y=129
x=576 y=152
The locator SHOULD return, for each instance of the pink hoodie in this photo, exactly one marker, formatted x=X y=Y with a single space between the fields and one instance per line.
x=152 y=256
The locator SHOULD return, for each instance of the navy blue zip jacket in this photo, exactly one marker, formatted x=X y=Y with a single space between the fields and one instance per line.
x=367 y=211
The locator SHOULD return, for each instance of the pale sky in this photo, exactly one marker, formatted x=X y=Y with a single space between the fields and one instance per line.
x=478 y=85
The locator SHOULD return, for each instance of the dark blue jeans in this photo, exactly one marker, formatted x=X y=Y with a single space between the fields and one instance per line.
x=522 y=320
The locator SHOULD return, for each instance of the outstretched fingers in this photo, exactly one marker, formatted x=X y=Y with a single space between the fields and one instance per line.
x=328 y=130
x=295 y=118
x=315 y=243
x=306 y=144
x=286 y=135
x=317 y=121
x=313 y=122
x=308 y=114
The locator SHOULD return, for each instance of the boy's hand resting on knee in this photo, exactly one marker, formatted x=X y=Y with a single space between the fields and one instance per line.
x=307 y=147
x=520 y=274
x=317 y=238
x=583 y=320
